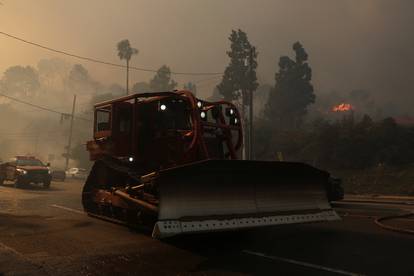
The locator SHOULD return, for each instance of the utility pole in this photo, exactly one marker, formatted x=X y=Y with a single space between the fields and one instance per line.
x=251 y=106
x=70 y=133
x=127 y=77
x=244 y=124
x=36 y=143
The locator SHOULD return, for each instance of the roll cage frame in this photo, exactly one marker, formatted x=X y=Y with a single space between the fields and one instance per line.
x=199 y=125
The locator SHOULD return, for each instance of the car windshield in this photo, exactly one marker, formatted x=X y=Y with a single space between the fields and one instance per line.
x=29 y=162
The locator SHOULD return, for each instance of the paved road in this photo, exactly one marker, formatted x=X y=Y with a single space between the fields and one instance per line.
x=44 y=232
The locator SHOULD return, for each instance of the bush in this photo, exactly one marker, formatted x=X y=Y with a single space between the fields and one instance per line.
x=344 y=144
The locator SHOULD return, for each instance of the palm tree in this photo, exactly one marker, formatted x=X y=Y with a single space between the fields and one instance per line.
x=125 y=51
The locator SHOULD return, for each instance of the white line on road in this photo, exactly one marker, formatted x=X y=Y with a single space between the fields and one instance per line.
x=68 y=209
x=319 y=267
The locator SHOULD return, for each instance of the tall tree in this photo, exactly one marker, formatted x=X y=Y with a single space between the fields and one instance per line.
x=20 y=81
x=141 y=87
x=80 y=80
x=215 y=95
x=53 y=73
x=78 y=73
x=240 y=75
x=79 y=154
x=162 y=80
x=125 y=51
x=293 y=92
x=191 y=87
x=116 y=89
x=239 y=79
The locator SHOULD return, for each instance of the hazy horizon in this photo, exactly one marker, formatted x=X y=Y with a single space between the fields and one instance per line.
x=351 y=44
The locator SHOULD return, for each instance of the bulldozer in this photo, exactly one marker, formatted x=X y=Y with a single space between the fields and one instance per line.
x=173 y=162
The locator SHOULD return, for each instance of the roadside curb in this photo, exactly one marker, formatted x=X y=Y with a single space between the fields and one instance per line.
x=393 y=198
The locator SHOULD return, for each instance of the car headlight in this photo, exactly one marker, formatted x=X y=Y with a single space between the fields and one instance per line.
x=21 y=171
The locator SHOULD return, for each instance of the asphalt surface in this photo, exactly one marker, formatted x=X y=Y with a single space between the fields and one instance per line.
x=45 y=232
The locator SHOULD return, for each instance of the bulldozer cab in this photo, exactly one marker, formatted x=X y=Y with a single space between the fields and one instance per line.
x=163 y=128
x=113 y=124
x=167 y=129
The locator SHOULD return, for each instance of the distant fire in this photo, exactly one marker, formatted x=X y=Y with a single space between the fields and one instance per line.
x=342 y=107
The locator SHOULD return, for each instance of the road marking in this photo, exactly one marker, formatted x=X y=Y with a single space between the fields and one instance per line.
x=368 y=206
x=319 y=267
x=21 y=263
x=345 y=215
x=68 y=209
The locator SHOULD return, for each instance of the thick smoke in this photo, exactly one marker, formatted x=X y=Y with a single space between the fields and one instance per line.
x=353 y=45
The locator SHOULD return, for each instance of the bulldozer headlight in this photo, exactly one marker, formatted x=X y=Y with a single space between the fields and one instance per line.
x=203 y=115
x=163 y=107
x=230 y=112
x=131 y=159
x=199 y=104
x=234 y=121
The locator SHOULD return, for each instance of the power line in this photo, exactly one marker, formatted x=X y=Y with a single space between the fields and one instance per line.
x=42 y=107
x=102 y=61
x=31 y=134
x=207 y=80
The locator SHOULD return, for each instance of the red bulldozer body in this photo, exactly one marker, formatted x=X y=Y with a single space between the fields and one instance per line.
x=172 y=161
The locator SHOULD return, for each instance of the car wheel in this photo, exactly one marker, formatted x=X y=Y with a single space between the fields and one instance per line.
x=46 y=184
x=18 y=183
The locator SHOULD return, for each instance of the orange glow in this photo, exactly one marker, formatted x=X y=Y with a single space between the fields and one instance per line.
x=342 y=107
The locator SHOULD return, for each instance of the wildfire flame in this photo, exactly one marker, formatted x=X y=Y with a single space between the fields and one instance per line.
x=342 y=107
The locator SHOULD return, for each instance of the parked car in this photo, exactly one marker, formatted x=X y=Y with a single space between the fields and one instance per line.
x=24 y=170
x=77 y=173
x=58 y=175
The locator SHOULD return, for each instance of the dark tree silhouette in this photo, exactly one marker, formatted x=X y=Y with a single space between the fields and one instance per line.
x=116 y=89
x=239 y=79
x=78 y=73
x=53 y=73
x=81 y=156
x=293 y=91
x=215 y=96
x=191 y=87
x=141 y=87
x=79 y=79
x=20 y=81
x=162 y=80
x=125 y=51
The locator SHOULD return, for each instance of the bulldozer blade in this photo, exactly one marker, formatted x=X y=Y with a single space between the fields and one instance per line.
x=219 y=195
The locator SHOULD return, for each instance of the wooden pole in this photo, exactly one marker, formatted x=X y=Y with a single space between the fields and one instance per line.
x=251 y=144
x=127 y=78
x=70 y=133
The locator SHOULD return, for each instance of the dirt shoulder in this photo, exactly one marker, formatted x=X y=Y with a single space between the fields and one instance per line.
x=380 y=180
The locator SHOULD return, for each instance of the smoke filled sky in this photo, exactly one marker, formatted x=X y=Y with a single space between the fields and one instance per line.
x=352 y=44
